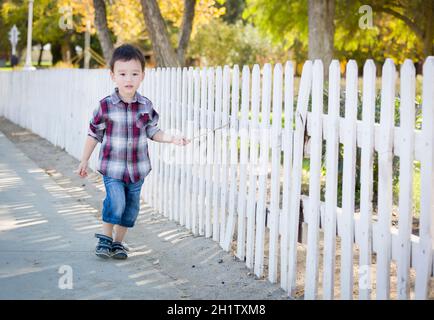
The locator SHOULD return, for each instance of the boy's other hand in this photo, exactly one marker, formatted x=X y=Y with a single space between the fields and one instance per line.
x=180 y=141
x=82 y=169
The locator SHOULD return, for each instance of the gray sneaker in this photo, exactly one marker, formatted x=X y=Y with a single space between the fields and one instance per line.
x=118 y=251
x=104 y=246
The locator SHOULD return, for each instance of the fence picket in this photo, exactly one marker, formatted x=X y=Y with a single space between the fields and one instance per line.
x=385 y=158
x=366 y=180
x=276 y=147
x=179 y=104
x=287 y=142
x=332 y=154
x=313 y=214
x=189 y=130
x=228 y=231
x=242 y=198
x=217 y=161
x=424 y=255
x=171 y=150
x=203 y=149
x=251 y=201
x=166 y=126
x=407 y=108
x=263 y=170
x=196 y=155
x=349 y=181
x=209 y=152
x=181 y=160
x=294 y=214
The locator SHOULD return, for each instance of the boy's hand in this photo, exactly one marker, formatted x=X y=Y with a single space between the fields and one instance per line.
x=180 y=141
x=82 y=169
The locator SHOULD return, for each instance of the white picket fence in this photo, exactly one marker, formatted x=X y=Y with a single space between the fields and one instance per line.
x=239 y=180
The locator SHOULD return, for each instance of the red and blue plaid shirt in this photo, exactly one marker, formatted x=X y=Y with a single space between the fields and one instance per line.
x=123 y=129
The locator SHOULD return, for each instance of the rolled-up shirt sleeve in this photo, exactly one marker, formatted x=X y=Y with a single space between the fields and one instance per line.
x=152 y=128
x=97 y=125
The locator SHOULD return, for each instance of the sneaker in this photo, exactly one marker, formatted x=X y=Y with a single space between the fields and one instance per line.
x=118 y=251
x=104 y=246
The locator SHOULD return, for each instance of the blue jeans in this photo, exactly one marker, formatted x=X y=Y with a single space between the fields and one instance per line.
x=122 y=203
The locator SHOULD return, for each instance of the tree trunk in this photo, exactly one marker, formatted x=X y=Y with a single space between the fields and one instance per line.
x=102 y=29
x=187 y=26
x=163 y=50
x=40 y=54
x=66 y=47
x=321 y=31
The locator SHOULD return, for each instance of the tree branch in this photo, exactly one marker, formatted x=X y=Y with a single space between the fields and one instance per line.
x=408 y=21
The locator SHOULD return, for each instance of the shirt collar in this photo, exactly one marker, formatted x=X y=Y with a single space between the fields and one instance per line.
x=116 y=98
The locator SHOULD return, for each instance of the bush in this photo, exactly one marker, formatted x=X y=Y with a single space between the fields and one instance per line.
x=219 y=43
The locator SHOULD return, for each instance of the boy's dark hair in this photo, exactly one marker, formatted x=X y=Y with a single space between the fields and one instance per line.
x=127 y=52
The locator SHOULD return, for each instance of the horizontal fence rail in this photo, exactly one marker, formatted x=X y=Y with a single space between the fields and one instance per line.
x=281 y=171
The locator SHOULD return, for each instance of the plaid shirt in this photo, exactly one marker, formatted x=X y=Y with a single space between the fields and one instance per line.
x=123 y=129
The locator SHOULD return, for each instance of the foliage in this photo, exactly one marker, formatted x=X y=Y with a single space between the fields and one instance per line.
x=287 y=23
x=219 y=43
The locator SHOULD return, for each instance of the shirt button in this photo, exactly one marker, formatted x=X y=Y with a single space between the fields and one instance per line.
x=129 y=144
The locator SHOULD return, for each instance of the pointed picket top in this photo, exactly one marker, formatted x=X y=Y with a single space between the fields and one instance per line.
x=277 y=68
x=289 y=94
x=255 y=92
x=235 y=97
x=334 y=85
x=369 y=92
x=388 y=91
x=266 y=84
x=351 y=89
x=289 y=67
x=246 y=69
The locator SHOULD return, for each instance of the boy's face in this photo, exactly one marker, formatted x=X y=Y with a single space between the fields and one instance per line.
x=127 y=75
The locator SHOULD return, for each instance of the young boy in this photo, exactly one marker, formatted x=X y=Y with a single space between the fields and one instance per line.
x=122 y=123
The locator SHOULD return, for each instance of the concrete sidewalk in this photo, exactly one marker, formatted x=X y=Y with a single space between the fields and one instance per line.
x=47 y=229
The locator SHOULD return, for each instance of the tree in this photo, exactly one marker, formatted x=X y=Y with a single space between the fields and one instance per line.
x=164 y=51
x=103 y=30
x=46 y=28
x=321 y=30
x=306 y=22
x=220 y=43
